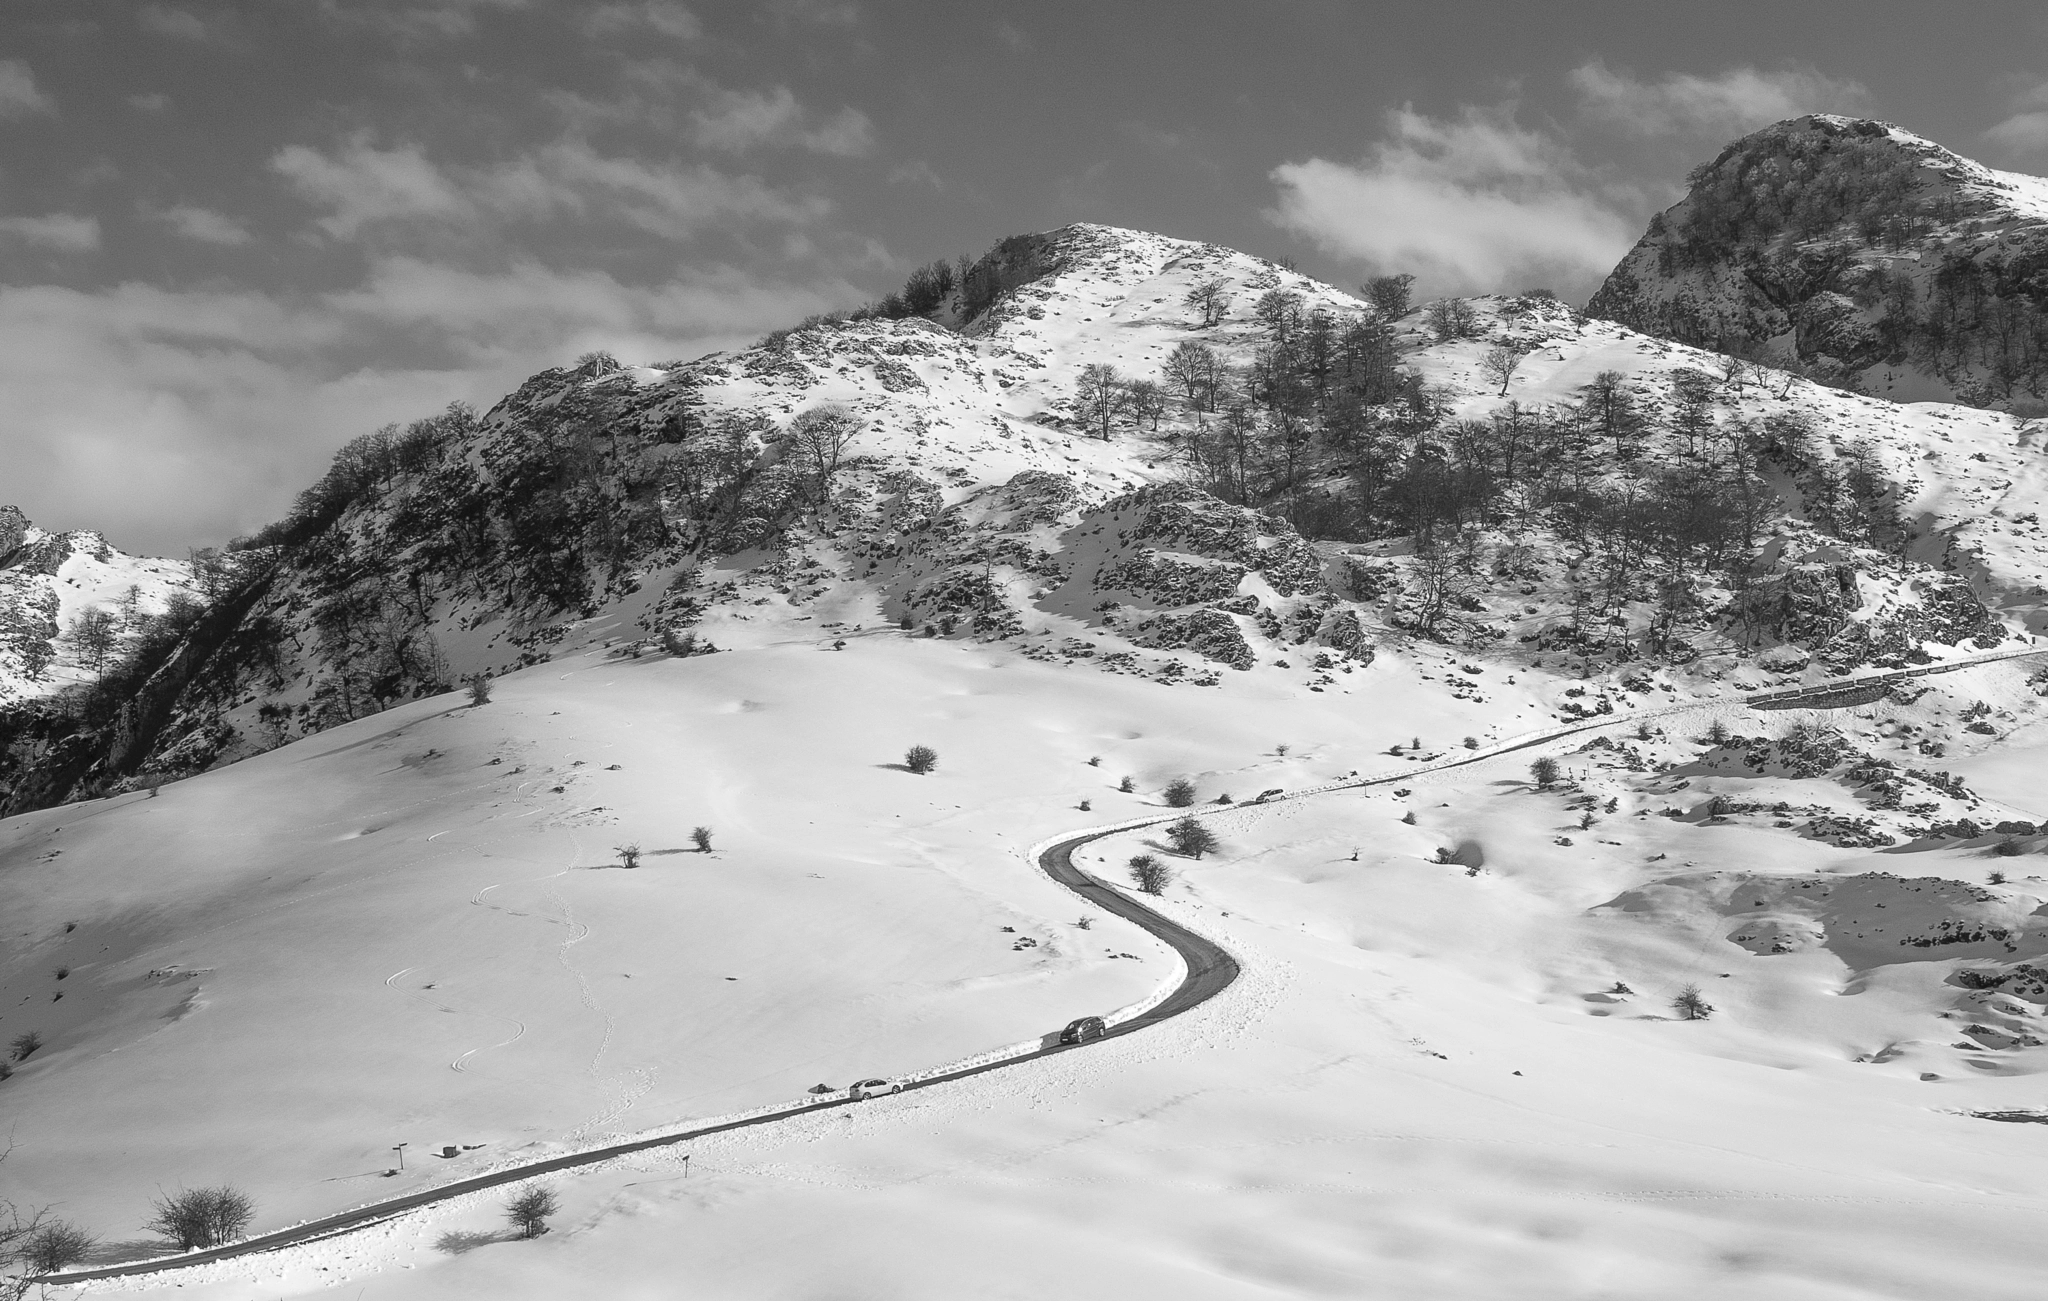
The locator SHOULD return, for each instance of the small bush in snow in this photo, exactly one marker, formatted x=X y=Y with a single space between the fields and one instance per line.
x=1150 y=874
x=1127 y=786
x=920 y=759
x=1180 y=792
x=701 y=838
x=2006 y=848
x=56 y=1245
x=629 y=855
x=479 y=685
x=25 y=1043
x=1544 y=772
x=529 y=1211
x=201 y=1217
x=1094 y=761
x=1409 y=817
x=1191 y=837
x=1691 y=1005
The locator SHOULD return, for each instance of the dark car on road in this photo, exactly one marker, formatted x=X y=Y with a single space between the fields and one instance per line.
x=1080 y=1031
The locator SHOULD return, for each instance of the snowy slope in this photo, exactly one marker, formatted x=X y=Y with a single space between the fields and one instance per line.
x=1427 y=1083
x=1423 y=1086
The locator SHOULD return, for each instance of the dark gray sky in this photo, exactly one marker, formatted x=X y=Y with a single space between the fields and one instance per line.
x=235 y=234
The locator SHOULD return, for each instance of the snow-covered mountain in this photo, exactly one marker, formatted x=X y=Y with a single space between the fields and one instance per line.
x=48 y=580
x=1338 y=479
x=1858 y=252
x=727 y=594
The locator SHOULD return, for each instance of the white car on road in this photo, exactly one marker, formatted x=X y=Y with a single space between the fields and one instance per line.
x=873 y=1089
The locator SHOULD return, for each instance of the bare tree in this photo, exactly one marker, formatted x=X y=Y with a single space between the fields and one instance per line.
x=201 y=1217
x=1180 y=792
x=479 y=685
x=529 y=1211
x=131 y=608
x=1150 y=874
x=1100 y=398
x=92 y=636
x=18 y=1229
x=1452 y=318
x=210 y=569
x=1444 y=580
x=1691 y=1005
x=629 y=855
x=1188 y=368
x=56 y=1245
x=1211 y=300
x=1147 y=401
x=1499 y=364
x=701 y=836
x=1544 y=772
x=820 y=437
x=1389 y=294
x=1190 y=837
x=920 y=759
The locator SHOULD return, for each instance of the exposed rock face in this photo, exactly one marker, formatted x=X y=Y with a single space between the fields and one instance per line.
x=1819 y=609
x=14 y=528
x=1863 y=253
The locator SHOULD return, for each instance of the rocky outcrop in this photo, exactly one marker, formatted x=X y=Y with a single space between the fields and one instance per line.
x=1858 y=252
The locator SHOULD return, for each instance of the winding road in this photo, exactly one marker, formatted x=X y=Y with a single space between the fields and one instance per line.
x=1210 y=969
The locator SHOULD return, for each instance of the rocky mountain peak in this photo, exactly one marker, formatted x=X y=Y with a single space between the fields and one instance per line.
x=1855 y=252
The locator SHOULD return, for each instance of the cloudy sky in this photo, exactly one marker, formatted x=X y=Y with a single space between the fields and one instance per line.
x=236 y=233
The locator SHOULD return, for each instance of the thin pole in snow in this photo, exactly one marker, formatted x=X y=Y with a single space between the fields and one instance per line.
x=400 y=1149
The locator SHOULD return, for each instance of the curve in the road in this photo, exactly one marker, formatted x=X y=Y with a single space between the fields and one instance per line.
x=1209 y=971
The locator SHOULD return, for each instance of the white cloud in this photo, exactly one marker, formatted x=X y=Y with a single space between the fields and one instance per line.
x=1474 y=203
x=1734 y=102
x=155 y=414
x=847 y=134
x=62 y=231
x=205 y=225
x=531 y=312
x=166 y=21
x=740 y=120
x=663 y=16
x=436 y=20
x=671 y=200
x=2024 y=135
x=916 y=172
x=18 y=94
x=360 y=185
